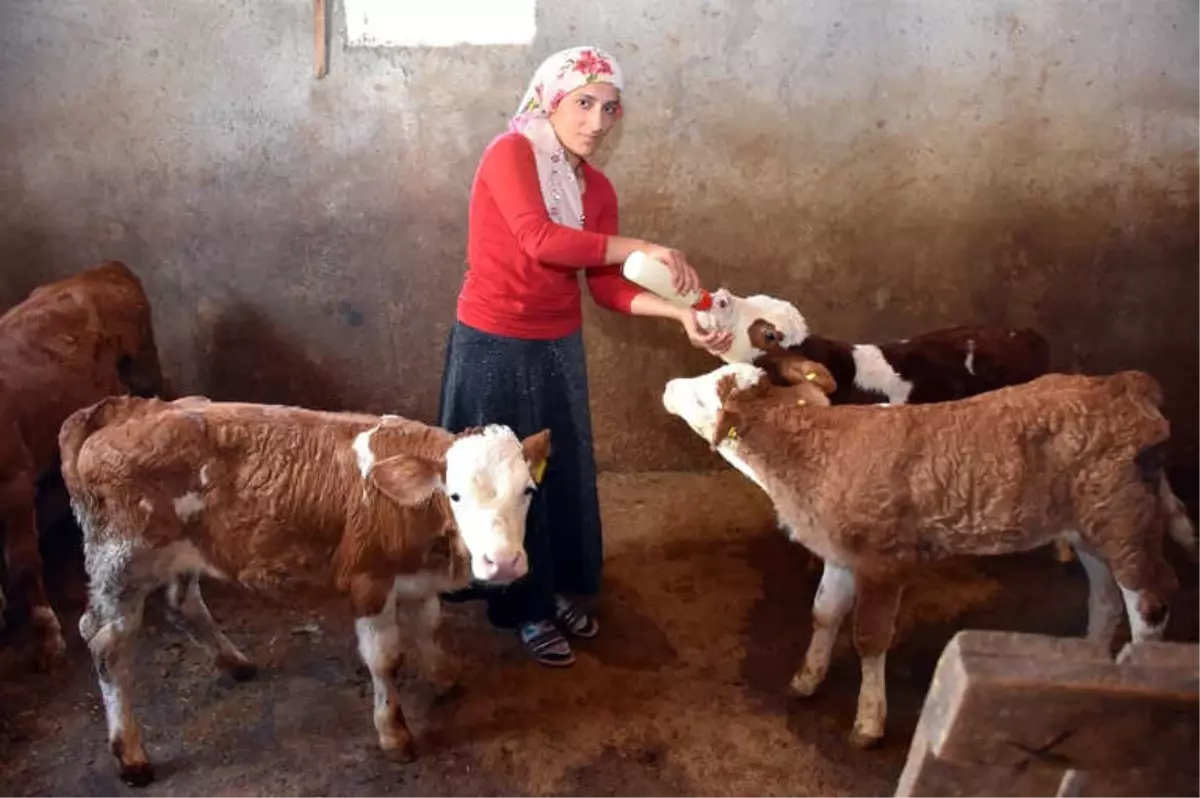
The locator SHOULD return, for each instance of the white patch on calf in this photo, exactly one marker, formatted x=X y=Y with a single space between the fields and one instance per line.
x=362 y=450
x=188 y=506
x=204 y=475
x=145 y=504
x=490 y=487
x=831 y=605
x=364 y=455
x=872 y=372
x=970 y=361
x=728 y=450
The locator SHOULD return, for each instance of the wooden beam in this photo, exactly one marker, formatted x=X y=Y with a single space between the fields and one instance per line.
x=1009 y=714
x=320 y=39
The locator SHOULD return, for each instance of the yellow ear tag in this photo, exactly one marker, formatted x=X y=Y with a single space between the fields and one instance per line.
x=810 y=375
x=539 y=470
x=732 y=434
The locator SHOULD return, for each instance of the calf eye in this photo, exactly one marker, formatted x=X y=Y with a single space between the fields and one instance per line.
x=454 y=497
x=530 y=490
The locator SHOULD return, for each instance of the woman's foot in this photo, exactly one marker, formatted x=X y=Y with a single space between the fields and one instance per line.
x=574 y=618
x=547 y=644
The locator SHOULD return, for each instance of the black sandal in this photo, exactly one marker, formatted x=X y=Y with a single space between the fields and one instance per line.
x=574 y=619
x=547 y=644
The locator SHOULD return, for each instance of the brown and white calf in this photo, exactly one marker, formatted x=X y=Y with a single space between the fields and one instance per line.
x=937 y=366
x=878 y=491
x=69 y=344
x=381 y=510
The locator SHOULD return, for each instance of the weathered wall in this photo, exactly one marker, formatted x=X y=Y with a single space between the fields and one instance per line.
x=889 y=167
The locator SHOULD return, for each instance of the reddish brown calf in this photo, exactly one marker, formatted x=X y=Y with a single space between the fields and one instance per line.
x=69 y=344
x=877 y=491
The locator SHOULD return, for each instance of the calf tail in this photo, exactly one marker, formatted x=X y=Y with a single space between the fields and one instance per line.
x=1179 y=526
x=80 y=425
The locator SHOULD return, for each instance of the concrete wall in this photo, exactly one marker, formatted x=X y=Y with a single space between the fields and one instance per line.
x=890 y=167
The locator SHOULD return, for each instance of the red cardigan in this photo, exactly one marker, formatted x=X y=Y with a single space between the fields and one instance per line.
x=521 y=279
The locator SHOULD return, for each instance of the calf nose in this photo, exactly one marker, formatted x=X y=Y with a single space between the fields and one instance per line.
x=506 y=566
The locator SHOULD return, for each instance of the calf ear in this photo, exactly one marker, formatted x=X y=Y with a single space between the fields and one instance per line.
x=726 y=426
x=798 y=370
x=537 y=451
x=409 y=481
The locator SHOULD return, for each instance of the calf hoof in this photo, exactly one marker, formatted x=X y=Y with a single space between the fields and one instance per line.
x=243 y=671
x=50 y=655
x=137 y=775
x=1063 y=551
x=401 y=748
x=239 y=669
x=864 y=740
x=444 y=683
x=804 y=685
x=137 y=771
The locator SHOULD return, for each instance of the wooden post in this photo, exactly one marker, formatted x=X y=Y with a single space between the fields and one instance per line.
x=1023 y=714
x=320 y=39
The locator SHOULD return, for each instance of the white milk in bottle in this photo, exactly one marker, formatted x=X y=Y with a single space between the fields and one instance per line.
x=653 y=275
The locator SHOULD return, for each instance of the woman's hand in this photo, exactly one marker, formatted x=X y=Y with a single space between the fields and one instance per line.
x=717 y=342
x=683 y=276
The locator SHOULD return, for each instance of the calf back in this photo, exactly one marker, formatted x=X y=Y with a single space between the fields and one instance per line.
x=272 y=497
x=69 y=344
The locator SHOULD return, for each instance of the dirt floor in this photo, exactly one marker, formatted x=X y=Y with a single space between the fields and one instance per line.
x=705 y=617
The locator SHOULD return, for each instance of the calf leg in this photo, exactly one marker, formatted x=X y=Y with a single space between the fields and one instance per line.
x=1146 y=579
x=379 y=647
x=834 y=600
x=422 y=619
x=1062 y=551
x=1104 y=598
x=25 y=565
x=190 y=612
x=109 y=626
x=874 y=627
x=1179 y=526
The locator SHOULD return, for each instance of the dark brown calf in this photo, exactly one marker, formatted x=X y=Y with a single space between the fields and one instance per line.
x=69 y=344
x=938 y=366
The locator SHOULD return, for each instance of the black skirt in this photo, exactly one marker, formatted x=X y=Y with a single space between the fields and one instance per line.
x=531 y=385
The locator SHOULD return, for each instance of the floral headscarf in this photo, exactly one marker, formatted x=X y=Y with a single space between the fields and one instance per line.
x=558 y=76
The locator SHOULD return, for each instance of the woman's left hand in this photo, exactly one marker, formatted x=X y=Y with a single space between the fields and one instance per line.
x=716 y=342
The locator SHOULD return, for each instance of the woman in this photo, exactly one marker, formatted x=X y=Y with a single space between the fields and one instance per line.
x=540 y=213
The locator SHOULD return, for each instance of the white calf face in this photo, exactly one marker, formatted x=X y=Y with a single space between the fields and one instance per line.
x=781 y=314
x=695 y=399
x=490 y=486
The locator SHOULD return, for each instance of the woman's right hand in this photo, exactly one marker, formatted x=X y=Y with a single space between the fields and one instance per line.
x=683 y=276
